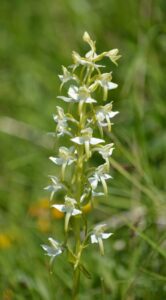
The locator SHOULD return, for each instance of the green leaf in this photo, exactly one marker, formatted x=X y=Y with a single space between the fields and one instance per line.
x=84 y=271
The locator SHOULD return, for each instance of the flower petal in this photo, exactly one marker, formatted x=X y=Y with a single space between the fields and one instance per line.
x=76 y=212
x=93 y=182
x=56 y=160
x=112 y=114
x=95 y=141
x=94 y=194
x=66 y=99
x=51 y=251
x=53 y=242
x=59 y=207
x=73 y=92
x=106 y=176
x=78 y=140
x=90 y=100
x=112 y=85
x=106 y=235
x=93 y=239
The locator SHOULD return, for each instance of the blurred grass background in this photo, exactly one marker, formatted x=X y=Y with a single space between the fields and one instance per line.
x=37 y=37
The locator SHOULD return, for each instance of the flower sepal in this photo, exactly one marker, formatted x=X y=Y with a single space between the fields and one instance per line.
x=53 y=250
x=98 y=236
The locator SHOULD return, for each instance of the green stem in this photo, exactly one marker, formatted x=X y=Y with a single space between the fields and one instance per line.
x=79 y=175
x=76 y=274
x=76 y=283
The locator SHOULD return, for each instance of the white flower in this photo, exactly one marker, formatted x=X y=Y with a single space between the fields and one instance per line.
x=80 y=94
x=55 y=186
x=68 y=208
x=66 y=76
x=66 y=155
x=61 y=120
x=87 y=139
x=66 y=158
x=98 y=236
x=53 y=250
x=88 y=193
x=62 y=128
x=100 y=176
x=85 y=61
x=105 y=151
x=113 y=55
x=105 y=81
x=60 y=115
x=104 y=114
x=77 y=95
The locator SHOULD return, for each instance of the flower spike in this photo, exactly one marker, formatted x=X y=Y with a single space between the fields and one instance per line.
x=82 y=118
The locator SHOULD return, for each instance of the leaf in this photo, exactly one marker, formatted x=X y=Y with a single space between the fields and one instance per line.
x=84 y=271
x=148 y=240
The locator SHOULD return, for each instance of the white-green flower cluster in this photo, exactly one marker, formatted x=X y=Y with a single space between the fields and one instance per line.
x=84 y=120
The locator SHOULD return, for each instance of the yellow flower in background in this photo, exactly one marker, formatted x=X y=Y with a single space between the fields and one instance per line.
x=40 y=211
x=56 y=213
x=87 y=208
x=43 y=224
x=5 y=241
x=7 y=294
x=40 y=208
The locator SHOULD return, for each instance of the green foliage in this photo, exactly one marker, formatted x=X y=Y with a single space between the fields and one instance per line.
x=36 y=39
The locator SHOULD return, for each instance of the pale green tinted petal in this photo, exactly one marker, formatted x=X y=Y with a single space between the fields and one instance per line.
x=51 y=251
x=113 y=114
x=106 y=176
x=95 y=141
x=113 y=55
x=73 y=92
x=76 y=212
x=78 y=140
x=95 y=194
x=54 y=179
x=106 y=235
x=70 y=200
x=56 y=160
x=66 y=99
x=93 y=239
x=93 y=182
x=100 y=228
x=112 y=85
x=53 y=188
x=91 y=54
x=90 y=100
x=87 y=39
x=66 y=76
x=105 y=151
x=59 y=207
x=53 y=242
